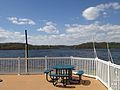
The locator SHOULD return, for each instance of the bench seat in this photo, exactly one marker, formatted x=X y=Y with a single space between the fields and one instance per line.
x=80 y=72
x=57 y=75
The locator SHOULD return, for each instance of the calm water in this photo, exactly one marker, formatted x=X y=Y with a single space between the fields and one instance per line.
x=102 y=53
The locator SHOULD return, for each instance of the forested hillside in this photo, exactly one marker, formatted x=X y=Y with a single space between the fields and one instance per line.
x=21 y=46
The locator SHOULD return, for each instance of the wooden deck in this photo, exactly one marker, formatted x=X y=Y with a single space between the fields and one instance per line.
x=38 y=82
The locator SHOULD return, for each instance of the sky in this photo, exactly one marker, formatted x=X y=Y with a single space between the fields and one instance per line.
x=59 y=22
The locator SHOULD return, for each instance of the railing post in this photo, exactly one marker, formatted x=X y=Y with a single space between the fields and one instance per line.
x=45 y=62
x=18 y=65
x=96 y=72
x=26 y=65
x=109 y=75
x=71 y=60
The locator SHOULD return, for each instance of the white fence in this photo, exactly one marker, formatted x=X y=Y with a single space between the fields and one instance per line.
x=106 y=72
x=30 y=65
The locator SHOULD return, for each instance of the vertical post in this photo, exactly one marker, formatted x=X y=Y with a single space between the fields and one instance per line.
x=71 y=60
x=18 y=65
x=109 y=54
x=109 y=75
x=26 y=52
x=26 y=45
x=96 y=59
x=95 y=53
x=45 y=62
x=118 y=78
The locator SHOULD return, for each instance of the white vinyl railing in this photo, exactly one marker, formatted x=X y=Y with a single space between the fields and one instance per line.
x=30 y=65
x=106 y=72
x=102 y=70
x=86 y=64
x=114 y=76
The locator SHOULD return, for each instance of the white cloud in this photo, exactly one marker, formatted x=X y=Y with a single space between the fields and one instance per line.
x=7 y=36
x=59 y=39
x=101 y=32
x=75 y=34
x=50 y=28
x=21 y=21
x=92 y=13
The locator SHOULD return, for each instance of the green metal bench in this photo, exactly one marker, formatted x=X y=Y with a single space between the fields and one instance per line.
x=57 y=75
x=80 y=73
x=48 y=72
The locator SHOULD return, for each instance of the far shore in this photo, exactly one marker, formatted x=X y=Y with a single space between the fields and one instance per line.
x=89 y=45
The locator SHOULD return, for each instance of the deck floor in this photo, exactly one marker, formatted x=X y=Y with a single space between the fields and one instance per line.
x=38 y=82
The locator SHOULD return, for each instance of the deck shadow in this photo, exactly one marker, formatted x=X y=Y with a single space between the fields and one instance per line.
x=1 y=80
x=75 y=82
x=61 y=86
x=85 y=82
x=82 y=82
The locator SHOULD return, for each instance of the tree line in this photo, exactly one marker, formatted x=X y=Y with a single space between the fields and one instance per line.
x=89 y=45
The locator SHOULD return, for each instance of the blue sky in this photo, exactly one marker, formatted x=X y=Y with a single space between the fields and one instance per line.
x=59 y=22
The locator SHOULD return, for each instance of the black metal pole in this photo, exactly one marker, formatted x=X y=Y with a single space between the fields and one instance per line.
x=26 y=51
x=26 y=44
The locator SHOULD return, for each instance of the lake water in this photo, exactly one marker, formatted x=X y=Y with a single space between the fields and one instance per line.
x=102 y=53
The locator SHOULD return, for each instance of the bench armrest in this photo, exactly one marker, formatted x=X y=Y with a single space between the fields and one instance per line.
x=47 y=71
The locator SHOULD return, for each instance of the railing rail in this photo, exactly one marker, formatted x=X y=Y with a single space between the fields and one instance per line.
x=107 y=72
